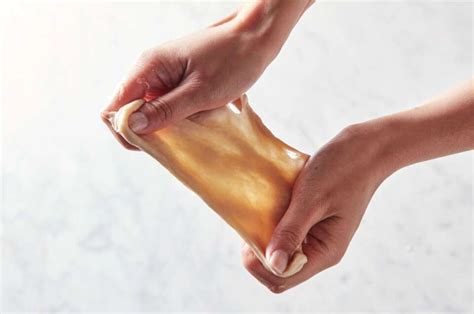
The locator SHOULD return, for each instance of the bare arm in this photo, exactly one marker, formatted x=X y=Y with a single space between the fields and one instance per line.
x=337 y=183
x=443 y=126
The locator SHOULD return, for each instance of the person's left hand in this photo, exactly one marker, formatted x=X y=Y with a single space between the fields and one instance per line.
x=329 y=199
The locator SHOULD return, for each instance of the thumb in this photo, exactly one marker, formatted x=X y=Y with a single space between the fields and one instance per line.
x=173 y=106
x=291 y=231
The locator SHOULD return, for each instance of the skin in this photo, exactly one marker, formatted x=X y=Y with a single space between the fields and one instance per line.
x=336 y=185
x=216 y=65
x=206 y=69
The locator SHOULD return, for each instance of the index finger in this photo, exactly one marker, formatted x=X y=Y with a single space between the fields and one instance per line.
x=134 y=87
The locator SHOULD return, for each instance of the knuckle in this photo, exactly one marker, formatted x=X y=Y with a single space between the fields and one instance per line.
x=277 y=289
x=164 y=111
x=104 y=116
x=249 y=260
x=290 y=236
x=248 y=264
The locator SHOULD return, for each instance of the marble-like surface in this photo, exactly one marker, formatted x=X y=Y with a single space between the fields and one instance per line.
x=88 y=226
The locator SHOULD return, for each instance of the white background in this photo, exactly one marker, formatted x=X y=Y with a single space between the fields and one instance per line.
x=88 y=226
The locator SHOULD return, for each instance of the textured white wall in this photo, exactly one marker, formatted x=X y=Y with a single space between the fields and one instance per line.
x=88 y=226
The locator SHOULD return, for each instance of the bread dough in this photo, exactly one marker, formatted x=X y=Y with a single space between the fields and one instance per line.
x=233 y=162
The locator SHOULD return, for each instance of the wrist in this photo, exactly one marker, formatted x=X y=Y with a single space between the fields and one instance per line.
x=395 y=138
x=373 y=138
x=440 y=127
x=383 y=133
x=268 y=23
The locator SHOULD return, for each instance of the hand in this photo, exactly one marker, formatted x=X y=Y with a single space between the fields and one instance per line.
x=329 y=199
x=207 y=69
x=335 y=186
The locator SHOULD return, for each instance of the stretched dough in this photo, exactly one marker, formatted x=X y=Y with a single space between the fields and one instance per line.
x=233 y=162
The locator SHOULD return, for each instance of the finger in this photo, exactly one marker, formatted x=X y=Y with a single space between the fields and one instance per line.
x=319 y=247
x=325 y=244
x=135 y=86
x=127 y=145
x=173 y=106
x=273 y=283
x=132 y=88
x=303 y=212
x=253 y=265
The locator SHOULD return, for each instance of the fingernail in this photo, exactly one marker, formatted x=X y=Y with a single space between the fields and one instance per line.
x=138 y=121
x=278 y=261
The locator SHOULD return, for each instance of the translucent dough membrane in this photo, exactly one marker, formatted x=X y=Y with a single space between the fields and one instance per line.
x=233 y=162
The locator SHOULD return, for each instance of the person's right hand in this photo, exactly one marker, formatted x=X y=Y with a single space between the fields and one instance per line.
x=207 y=69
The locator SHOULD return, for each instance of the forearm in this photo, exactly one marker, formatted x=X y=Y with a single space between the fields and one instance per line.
x=443 y=126
x=269 y=22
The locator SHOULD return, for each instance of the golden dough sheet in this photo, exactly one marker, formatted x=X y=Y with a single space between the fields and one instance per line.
x=233 y=162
